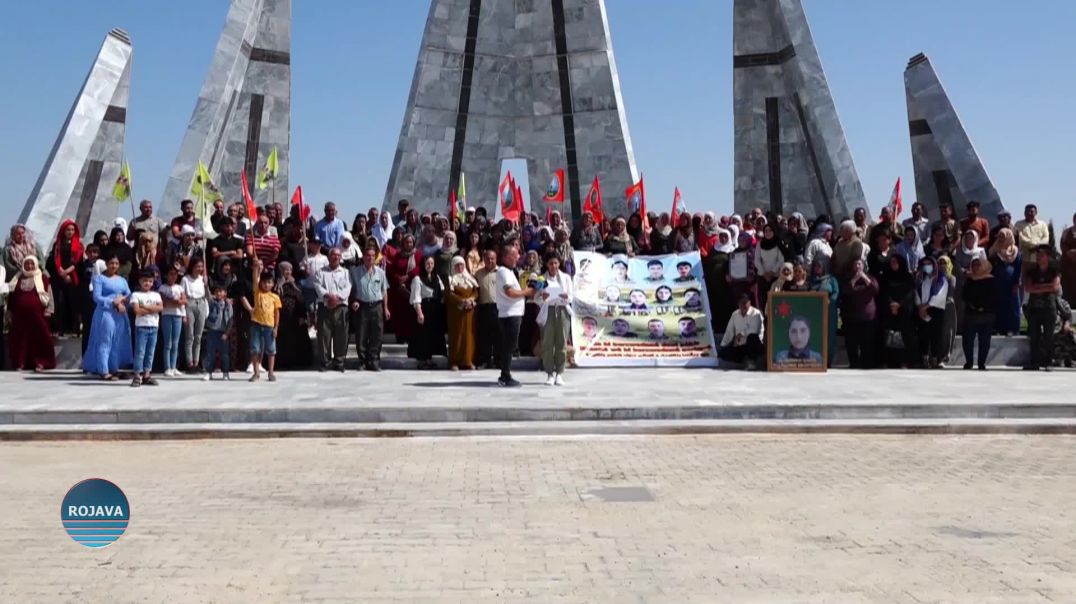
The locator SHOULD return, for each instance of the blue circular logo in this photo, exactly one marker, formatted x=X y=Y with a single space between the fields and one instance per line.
x=95 y=512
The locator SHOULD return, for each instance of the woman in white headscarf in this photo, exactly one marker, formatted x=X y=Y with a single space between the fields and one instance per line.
x=29 y=308
x=461 y=299
x=350 y=254
x=382 y=231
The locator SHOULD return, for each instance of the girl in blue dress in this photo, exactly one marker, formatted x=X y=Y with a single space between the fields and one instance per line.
x=109 y=348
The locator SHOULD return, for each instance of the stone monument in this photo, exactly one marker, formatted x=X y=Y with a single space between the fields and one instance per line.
x=86 y=158
x=497 y=79
x=791 y=154
x=947 y=167
x=243 y=111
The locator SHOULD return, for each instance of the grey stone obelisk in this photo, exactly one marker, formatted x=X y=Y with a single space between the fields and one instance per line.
x=791 y=154
x=503 y=79
x=244 y=108
x=85 y=160
x=947 y=167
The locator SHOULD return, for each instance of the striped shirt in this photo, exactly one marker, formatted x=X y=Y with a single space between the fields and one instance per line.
x=265 y=248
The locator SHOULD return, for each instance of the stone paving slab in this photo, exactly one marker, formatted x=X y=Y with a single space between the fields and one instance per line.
x=655 y=520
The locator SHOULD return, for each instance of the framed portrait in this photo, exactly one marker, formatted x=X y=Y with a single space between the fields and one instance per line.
x=797 y=331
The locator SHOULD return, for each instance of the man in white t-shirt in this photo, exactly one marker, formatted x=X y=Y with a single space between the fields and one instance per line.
x=511 y=302
x=147 y=306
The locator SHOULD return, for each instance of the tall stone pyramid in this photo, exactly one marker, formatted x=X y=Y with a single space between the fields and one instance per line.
x=502 y=79
x=85 y=161
x=947 y=167
x=243 y=111
x=791 y=154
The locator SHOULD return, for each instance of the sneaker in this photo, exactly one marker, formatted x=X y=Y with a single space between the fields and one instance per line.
x=549 y=381
x=149 y=381
x=227 y=377
x=559 y=381
x=511 y=383
x=312 y=332
x=136 y=382
x=967 y=366
x=207 y=376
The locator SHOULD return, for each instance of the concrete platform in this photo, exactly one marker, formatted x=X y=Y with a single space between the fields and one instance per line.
x=599 y=401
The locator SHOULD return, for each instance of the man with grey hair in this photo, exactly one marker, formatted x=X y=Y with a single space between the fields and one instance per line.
x=332 y=284
x=848 y=248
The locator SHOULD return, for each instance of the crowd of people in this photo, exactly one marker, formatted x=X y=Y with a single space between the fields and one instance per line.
x=281 y=290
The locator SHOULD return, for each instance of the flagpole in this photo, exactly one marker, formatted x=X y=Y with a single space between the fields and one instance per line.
x=130 y=181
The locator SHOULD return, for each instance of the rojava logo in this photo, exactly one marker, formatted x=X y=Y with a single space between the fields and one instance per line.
x=95 y=512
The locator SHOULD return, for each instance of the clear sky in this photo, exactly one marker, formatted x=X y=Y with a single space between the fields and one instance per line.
x=1007 y=67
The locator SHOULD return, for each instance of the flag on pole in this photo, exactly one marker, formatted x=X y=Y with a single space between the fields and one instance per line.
x=203 y=188
x=461 y=198
x=555 y=194
x=896 y=204
x=297 y=200
x=636 y=195
x=519 y=200
x=593 y=203
x=451 y=206
x=269 y=172
x=248 y=201
x=122 y=189
x=511 y=203
x=678 y=207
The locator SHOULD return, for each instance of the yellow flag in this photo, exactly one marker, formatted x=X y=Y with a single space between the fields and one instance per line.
x=461 y=198
x=202 y=187
x=269 y=172
x=122 y=189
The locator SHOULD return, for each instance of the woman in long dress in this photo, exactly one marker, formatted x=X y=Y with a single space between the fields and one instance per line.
x=401 y=267
x=30 y=305
x=294 y=349
x=427 y=298
x=461 y=299
x=63 y=265
x=109 y=349
x=20 y=244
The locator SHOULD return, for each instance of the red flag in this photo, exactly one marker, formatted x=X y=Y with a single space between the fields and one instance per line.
x=593 y=203
x=518 y=210
x=896 y=204
x=451 y=207
x=636 y=195
x=252 y=210
x=297 y=200
x=555 y=194
x=511 y=202
x=678 y=206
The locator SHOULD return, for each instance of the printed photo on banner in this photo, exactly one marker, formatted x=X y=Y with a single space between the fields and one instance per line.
x=797 y=331
x=646 y=310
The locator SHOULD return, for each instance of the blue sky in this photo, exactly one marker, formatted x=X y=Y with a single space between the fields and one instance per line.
x=1007 y=70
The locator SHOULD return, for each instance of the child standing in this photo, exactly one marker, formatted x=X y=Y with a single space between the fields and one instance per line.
x=217 y=324
x=147 y=306
x=90 y=267
x=312 y=265
x=264 y=319
x=172 y=319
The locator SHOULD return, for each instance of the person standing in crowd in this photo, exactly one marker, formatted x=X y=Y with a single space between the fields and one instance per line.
x=146 y=259
x=264 y=323
x=715 y=271
x=819 y=243
x=461 y=300
x=556 y=320
x=427 y=299
x=263 y=243
x=911 y=247
x=510 y=306
x=888 y=225
x=1042 y=282
x=147 y=306
x=146 y=222
x=783 y=277
x=742 y=342
x=29 y=307
x=949 y=226
x=369 y=305
x=333 y=287
x=313 y=264
x=823 y=281
x=742 y=276
x=618 y=241
x=1064 y=348
x=330 y=229
x=945 y=266
x=473 y=257
x=382 y=230
x=1006 y=259
x=350 y=255
x=938 y=246
x=226 y=247
x=684 y=236
x=564 y=251
x=186 y=217
x=897 y=307
x=530 y=274
x=448 y=252
x=119 y=248
x=401 y=268
x=661 y=238
x=240 y=288
x=20 y=244
x=859 y=311
x=588 y=237
x=293 y=339
x=109 y=348
x=861 y=223
x=90 y=267
x=974 y=222
x=63 y=265
x=173 y=316
x=849 y=247
x=931 y=290
x=1068 y=262
x=217 y=215
x=800 y=281
x=979 y=319
x=919 y=222
x=879 y=254
x=770 y=255
x=1030 y=234
x=795 y=237
x=218 y=324
x=182 y=253
x=195 y=289
x=486 y=313
x=1004 y=222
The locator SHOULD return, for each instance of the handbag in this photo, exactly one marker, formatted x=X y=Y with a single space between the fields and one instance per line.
x=894 y=339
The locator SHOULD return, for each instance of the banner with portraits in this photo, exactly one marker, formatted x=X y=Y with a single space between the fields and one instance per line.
x=641 y=311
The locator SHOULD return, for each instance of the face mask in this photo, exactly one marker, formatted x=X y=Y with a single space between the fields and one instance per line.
x=928 y=270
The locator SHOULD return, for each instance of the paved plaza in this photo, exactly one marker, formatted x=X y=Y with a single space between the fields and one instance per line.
x=887 y=519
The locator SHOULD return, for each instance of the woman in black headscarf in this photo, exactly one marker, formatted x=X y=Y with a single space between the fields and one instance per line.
x=896 y=311
x=427 y=298
x=118 y=248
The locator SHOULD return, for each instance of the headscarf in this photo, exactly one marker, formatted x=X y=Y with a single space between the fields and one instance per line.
x=815 y=279
x=964 y=254
x=1005 y=246
x=25 y=278
x=725 y=248
x=281 y=282
x=121 y=251
x=446 y=246
x=938 y=279
x=984 y=268
x=801 y=221
x=19 y=251
x=146 y=254
x=709 y=224
x=779 y=284
x=76 y=249
x=351 y=252
x=462 y=279
x=381 y=233
x=412 y=261
x=819 y=230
